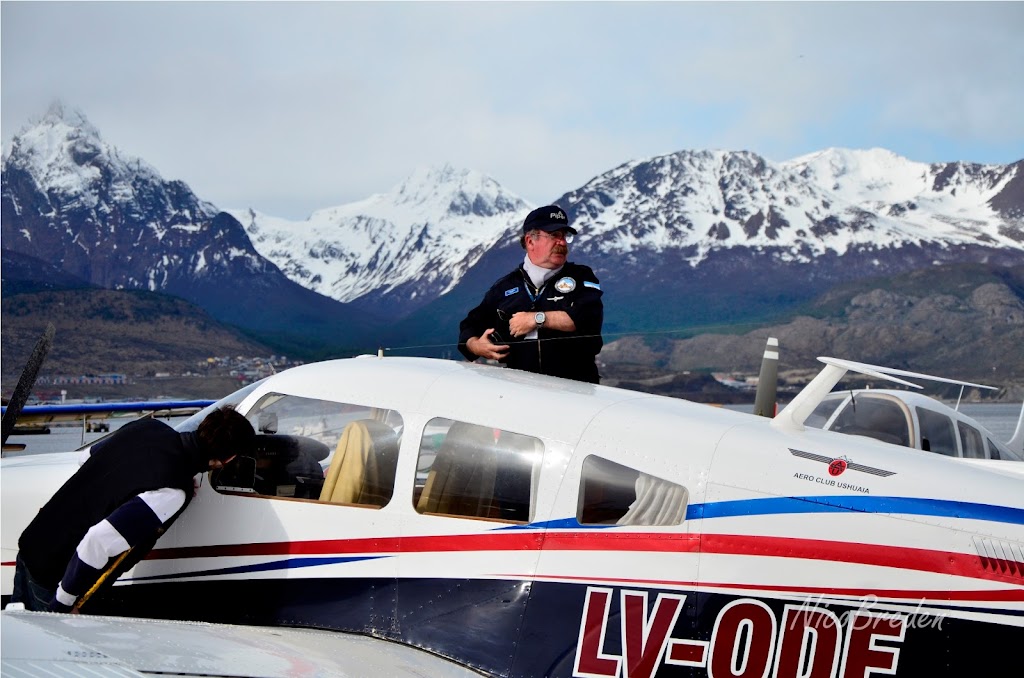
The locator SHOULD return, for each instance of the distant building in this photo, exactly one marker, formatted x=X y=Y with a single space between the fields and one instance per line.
x=87 y=379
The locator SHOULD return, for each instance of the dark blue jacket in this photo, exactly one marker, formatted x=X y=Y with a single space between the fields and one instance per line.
x=574 y=289
x=143 y=455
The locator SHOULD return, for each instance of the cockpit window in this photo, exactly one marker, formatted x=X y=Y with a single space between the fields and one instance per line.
x=317 y=450
x=613 y=494
x=823 y=411
x=874 y=417
x=476 y=471
x=937 y=433
x=971 y=441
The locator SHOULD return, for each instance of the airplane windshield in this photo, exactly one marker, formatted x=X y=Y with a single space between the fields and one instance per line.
x=192 y=423
x=317 y=450
x=875 y=417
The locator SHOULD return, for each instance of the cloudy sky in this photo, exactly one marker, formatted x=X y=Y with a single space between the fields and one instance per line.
x=293 y=107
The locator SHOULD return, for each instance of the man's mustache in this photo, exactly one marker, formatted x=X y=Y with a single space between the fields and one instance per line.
x=560 y=249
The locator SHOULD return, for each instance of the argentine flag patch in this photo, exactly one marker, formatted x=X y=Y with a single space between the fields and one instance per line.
x=587 y=283
x=509 y=293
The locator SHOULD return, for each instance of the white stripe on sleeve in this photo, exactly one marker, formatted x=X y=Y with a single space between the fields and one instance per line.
x=164 y=502
x=100 y=543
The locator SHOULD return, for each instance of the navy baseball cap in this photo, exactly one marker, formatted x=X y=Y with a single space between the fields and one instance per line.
x=548 y=218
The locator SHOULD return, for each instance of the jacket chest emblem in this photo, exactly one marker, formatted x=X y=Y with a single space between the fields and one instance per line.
x=565 y=285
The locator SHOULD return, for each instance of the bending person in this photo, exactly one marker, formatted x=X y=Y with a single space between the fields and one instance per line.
x=134 y=484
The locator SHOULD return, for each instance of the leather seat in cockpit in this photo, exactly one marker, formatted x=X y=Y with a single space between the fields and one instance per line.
x=363 y=468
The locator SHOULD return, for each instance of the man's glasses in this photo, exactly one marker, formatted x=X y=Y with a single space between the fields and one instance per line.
x=558 y=235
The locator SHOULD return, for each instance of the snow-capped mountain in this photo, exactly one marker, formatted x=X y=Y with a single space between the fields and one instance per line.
x=72 y=200
x=69 y=192
x=955 y=201
x=402 y=248
x=835 y=201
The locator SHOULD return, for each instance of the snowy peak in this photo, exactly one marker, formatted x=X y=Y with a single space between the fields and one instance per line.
x=953 y=200
x=59 y=112
x=70 y=198
x=400 y=248
x=64 y=155
x=460 y=192
x=881 y=176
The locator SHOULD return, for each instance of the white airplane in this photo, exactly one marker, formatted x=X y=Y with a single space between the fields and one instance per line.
x=518 y=525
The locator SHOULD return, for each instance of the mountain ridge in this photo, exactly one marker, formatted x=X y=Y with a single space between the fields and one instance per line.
x=680 y=241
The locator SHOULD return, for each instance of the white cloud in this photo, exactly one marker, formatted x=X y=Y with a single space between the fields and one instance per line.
x=294 y=107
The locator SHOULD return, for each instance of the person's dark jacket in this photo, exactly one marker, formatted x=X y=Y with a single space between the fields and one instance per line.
x=141 y=456
x=574 y=289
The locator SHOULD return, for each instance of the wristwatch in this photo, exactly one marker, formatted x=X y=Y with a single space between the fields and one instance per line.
x=540 y=318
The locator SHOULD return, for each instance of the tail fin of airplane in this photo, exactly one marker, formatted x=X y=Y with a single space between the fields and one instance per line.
x=1016 y=443
x=767 y=381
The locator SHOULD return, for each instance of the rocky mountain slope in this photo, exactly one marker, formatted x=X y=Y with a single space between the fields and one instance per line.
x=136 y=333
x=958 y=321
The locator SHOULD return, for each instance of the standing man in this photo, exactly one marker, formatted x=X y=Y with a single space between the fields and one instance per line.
x=134 y=484
x=546 y=315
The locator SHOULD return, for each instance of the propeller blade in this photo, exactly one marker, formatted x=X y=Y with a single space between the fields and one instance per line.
x=26 y=382
x=767 y=382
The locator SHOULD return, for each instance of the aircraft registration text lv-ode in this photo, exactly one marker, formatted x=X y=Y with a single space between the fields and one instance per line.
x=527 y=526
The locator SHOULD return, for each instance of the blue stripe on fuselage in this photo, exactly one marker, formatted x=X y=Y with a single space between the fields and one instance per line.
x=942 y=508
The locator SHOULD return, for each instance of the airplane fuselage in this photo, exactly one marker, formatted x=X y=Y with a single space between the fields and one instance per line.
x=532 y=526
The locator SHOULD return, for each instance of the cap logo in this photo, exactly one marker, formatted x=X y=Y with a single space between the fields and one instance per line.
x=557 y=215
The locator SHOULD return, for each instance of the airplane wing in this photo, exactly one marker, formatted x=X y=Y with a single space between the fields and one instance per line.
x=49 y=644
x=42 y=414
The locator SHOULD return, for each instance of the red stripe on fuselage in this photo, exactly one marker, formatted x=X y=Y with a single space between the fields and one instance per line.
x=531 y=540
x=879 y=555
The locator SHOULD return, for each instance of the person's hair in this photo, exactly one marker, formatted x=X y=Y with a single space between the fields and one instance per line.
x=523 y=237
x=224 y=433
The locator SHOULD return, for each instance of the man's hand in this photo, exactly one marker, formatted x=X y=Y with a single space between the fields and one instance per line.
x=483 y=346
